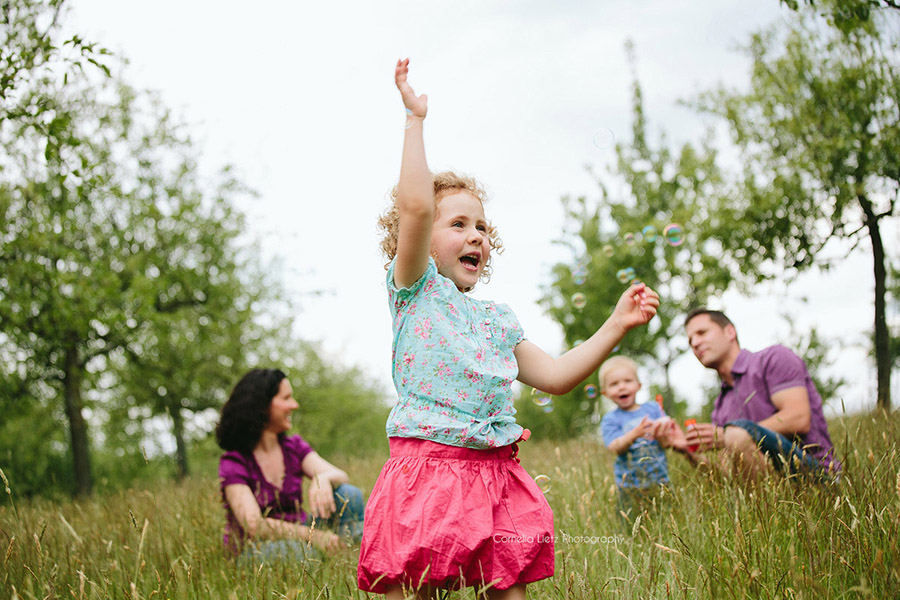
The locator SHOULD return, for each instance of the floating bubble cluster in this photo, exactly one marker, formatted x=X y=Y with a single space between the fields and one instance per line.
x=625 y=275
x=579 y=274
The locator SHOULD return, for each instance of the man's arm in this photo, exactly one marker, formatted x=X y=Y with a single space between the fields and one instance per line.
x=793 y=416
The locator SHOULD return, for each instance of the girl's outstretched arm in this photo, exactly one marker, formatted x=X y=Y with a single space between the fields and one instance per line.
x=560 y=375
x=415 y=192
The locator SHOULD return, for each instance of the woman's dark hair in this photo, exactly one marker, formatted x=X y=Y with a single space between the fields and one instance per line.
x=246 y=412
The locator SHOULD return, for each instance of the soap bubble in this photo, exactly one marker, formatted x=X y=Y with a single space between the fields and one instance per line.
x=578 y=300
x=604 y=138
x=539 y=398
x=649 y=233
x=590 y=390
x=629 y=239
x=608 y=250
x=674 y=234
x=543 y=482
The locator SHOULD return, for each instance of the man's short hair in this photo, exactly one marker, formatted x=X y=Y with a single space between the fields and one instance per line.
x=717 y=316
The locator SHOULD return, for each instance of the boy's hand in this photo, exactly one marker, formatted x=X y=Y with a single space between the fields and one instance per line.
x=670 y=435
x=636 y=306
x=643 y=429
x=418 y=105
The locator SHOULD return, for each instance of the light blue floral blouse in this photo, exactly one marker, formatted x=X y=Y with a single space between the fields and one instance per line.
x=453 y=364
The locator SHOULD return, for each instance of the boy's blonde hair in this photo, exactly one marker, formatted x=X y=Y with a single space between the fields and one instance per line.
x=445 y=183
x=614 y=363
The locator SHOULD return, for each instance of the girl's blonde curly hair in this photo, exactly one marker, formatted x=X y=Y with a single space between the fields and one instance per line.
x=444 y=183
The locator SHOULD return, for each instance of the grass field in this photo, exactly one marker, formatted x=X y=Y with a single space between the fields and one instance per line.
x=710 y=539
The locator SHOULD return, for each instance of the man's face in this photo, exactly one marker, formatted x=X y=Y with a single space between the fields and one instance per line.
x=710 y=342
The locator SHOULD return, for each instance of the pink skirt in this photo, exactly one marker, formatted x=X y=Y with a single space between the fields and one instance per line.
x=447 y=517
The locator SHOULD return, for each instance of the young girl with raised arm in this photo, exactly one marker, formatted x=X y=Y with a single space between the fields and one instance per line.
x=452 y=506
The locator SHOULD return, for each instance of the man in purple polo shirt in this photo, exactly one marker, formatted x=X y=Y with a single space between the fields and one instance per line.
x=768 y=413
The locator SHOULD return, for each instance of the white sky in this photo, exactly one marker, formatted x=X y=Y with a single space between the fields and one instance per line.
x=300 y=97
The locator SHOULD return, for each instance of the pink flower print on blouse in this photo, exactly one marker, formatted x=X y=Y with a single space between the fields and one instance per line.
x=425 y=387
x=407 y=359
x=442 y=370
x=479 y=355
x=423 y=329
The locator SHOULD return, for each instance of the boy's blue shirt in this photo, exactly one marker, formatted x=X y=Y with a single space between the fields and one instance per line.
x=644 y=464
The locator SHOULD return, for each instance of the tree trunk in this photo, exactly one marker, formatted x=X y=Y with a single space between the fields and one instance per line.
x=882 y=338
x=78 y=434
x=669 y=397
x=181 y=462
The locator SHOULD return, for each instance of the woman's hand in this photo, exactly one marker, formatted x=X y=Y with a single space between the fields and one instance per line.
x=321 y=497
x=417 y=105
x=636 y=306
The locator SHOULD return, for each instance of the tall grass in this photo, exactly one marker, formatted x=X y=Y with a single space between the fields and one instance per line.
x=707 y=538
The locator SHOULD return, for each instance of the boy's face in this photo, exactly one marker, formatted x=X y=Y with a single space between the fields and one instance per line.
x=621 y=385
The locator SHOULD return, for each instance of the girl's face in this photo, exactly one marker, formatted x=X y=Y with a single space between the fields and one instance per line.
x=459 y=239
x=621 y=385
x=283 y=404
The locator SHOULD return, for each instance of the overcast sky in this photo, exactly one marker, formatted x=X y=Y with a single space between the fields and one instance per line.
x=300 y=97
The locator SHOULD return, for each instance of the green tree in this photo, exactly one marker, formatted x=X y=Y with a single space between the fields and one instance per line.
x=341 y=413
x=105 y=232
x=819 y=137
x=625 y=230
x=184 y=358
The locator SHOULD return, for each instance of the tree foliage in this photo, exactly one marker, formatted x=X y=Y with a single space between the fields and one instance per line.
x=819 y=135
x=848 y=16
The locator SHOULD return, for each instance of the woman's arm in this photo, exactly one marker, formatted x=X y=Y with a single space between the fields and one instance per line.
x=558 y=376
x=415 y=191
x=325 y=477
x=246 y=510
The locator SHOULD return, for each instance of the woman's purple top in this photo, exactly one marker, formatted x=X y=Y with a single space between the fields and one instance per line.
x=285 y=504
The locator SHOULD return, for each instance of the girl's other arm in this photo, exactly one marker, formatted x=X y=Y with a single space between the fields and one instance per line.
x=415 y=191
x=558 y=376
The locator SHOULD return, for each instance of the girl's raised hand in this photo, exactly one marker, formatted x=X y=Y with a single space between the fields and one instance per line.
x=636 y=306
x=418 y=105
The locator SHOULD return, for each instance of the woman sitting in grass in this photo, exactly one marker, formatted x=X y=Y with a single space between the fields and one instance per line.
x=261 y=476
